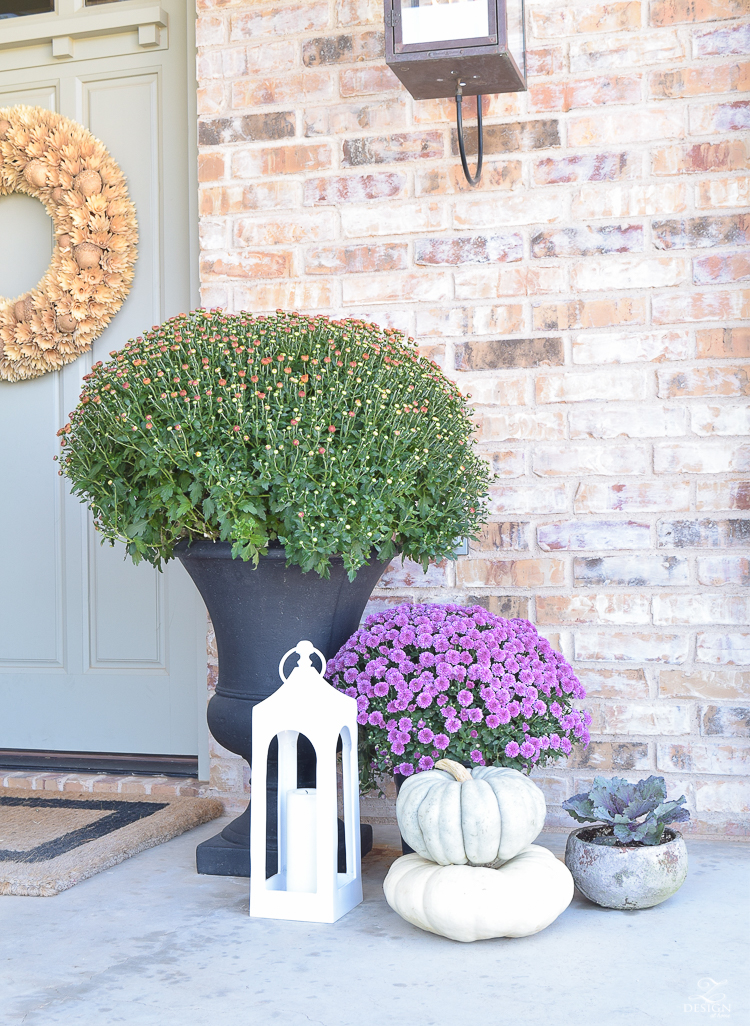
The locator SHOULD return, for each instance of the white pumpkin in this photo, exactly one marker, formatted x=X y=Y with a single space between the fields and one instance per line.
x=468 y=903
x=482 y=817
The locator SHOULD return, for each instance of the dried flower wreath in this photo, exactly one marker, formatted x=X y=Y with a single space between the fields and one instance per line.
x=56 y=160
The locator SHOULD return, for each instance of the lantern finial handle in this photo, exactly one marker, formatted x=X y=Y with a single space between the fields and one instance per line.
x=304 y=650
x=460 y=131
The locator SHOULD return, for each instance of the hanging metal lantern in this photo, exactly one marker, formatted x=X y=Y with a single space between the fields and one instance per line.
x=457 y=48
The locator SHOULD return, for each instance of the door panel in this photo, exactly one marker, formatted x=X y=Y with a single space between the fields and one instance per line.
x=96 y=654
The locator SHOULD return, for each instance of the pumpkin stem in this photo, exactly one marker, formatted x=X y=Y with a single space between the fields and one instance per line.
x=456 y=770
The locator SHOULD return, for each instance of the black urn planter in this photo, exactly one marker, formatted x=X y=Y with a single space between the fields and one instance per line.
x=258 y=614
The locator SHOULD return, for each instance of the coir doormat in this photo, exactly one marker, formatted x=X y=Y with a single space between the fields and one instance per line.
x=51 y=842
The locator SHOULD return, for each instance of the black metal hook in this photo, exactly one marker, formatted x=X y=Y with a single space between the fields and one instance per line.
x=480 y=138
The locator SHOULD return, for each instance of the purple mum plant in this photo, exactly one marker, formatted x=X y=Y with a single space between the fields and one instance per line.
x=437 y=681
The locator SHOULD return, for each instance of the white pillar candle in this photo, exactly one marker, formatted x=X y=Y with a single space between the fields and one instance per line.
x=301 y=839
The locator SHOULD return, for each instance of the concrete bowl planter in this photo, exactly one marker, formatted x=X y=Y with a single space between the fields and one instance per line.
x=626 y=877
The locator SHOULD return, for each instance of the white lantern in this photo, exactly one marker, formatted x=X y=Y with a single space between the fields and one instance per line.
x=307 y=885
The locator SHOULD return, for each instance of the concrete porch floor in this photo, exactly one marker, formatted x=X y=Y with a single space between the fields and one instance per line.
x=151 y=943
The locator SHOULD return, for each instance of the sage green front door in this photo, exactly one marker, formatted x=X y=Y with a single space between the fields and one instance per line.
x=96 y=655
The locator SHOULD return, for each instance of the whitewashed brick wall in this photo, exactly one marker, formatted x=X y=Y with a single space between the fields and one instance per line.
x=592 y=294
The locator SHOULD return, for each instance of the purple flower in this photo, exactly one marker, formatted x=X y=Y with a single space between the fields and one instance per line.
x=375 y=719
x=476 y=756
x=424 y=700
x=397 y=748
x=527 y=749
x=404 y=723
x=512 y=749
x=492 y=721
x=425 y=736
x=426 y=763
x=475 y=715
x=380 y=689
x=405 y=769
x=441 y=741
x=452 y=725
x=465 y=697
x=362 y=718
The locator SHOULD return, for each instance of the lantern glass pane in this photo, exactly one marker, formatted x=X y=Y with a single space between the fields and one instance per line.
x=427 y=21
x=515 y=33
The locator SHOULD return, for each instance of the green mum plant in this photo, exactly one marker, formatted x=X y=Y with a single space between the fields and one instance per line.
x=333 y=437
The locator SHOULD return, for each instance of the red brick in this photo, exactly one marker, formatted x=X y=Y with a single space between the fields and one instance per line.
x=569 y=21
x=375 y=78
x=358 y=12
x=509 y=280
x=626 y=126
x=702 y=232
x=355 y=259
x=729 y=796
x=479 y=249
x=389 y=149
x=616 y=609
x=727 y=649
x=469 y=320
x=247 y=128
x=697 y=758
x=543 y=61
x=705 y=609
x=697 y=459
x=577 y=460
x=722 y=420
x=704 y=533
x=603 y=384
x=515 y=573
x=494 y=537
x=577 y=535
x=631 y=347
x=631 y=273
x=263 y=196
x=247 y=264
x=405 y=573
x=306 y=86
x=628 y=497
x=625 y=52
x=284 y=295
x=536 y=206
x=521 y=424
x=584 y=92
x=354 y=188
x=278 y=21
x=701 y=459
x=210 y=30
x=698 y=158
x=713 y=118
x=586 y=240
x=342 y=49
x=211 y=98
x=723 y=192
x=608 y=755
x=504 y=174
x=507 y=462
x=721 y=343
x=389 y=219
x=337 y=119
x=721 y=269
x=722 y=495
x=699 y=81
x=514 y=352
x=507 y=606
x=717 y=571
x=592 y=313
x=401 y=288
x=704 y=381
x=628 y=422
x=647 y=718
x=543 y=497
x=700 y=306
x=639 y=648
x=432 y=112
x=587 y=167
x=616 y=683
x=711 y=684
x=635 y=200
x=637 y=571
x=677 y=12
x=272 y=230
x=504 y=389
x=210 y=167
x=280 y=160
x=720 y=42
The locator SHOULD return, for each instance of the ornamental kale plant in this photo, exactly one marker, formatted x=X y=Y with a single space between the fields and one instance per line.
x=334 y=437
x=623 y=806
x=437 y=681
